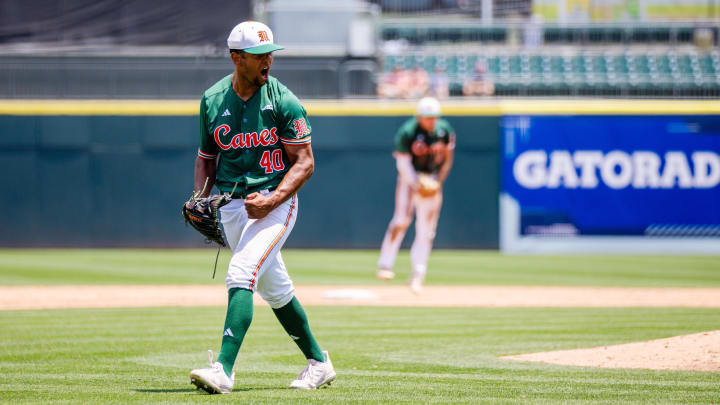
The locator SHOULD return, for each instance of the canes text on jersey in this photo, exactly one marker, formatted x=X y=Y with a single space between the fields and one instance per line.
x=266 y=137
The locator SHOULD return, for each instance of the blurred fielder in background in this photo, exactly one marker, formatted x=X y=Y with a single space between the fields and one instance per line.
x=258 y=130
x=424 y=147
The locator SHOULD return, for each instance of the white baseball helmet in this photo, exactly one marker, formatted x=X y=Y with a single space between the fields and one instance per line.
x=428 y=107
x=252 y=37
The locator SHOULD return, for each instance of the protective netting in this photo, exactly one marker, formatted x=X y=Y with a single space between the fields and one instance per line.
x=111 y=22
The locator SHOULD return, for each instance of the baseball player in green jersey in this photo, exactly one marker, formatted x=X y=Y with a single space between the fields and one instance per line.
x=255 y=144
x=424 y=149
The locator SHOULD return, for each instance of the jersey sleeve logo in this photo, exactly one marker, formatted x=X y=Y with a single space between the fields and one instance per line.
x=301 y=128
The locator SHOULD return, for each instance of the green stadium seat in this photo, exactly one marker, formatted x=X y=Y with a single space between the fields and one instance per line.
x=642 y=64
x=663 y=65
x=621 y=64
x=493 y=64
x=514 y=64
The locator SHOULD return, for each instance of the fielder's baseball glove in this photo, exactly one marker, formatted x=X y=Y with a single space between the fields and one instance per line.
x=202 y=214
x=427 y=185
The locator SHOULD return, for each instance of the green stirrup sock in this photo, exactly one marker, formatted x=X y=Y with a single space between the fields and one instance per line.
x=237 y=321
x=292 y=317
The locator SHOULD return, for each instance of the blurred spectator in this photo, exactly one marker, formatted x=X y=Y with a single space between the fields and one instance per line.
x=402 y=83
x=477 y=84
x=439 y=84
x=394 y=84
x=419 y=83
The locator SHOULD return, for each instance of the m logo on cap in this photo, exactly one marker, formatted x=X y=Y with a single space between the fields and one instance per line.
x=263 y=36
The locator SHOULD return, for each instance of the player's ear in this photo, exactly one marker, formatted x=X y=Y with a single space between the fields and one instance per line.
x=236 y=55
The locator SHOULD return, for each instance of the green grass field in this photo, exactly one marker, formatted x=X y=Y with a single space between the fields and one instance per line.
x=339 y=267
x=381 y=354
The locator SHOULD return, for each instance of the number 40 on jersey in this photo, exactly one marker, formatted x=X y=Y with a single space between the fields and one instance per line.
x=272 y=161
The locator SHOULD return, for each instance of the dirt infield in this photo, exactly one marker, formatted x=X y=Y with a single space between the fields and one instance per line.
x=696 y=352
x=699 y=352
x=55 y=297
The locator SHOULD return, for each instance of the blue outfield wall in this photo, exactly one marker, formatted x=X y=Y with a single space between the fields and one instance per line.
x=611 y=183
x=118 y=181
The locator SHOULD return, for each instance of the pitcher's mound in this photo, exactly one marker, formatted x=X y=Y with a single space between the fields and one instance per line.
x=696 y=352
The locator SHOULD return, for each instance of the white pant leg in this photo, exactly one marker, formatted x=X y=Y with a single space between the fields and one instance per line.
x=233 y=218
x=427 y=212
x=274 y=284
x=259 y=243
x=398 y=225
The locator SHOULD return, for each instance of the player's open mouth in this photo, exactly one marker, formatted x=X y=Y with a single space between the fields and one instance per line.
x=264 y=73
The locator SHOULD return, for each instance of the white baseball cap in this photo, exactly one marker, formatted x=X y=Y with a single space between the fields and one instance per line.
x=252 y=37
x=428 y=107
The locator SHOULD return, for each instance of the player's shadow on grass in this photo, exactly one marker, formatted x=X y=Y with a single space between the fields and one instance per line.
x=189 y=390
x=166 y=390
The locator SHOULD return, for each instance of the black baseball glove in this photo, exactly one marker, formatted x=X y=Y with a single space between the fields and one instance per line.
x=202 y=214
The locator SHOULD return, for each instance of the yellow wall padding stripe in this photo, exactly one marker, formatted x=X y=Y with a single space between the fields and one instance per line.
x=496 y=107
x=99 y=107
x=489 y=107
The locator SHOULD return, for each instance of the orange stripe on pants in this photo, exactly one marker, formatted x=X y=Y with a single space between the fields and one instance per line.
x=272 y=245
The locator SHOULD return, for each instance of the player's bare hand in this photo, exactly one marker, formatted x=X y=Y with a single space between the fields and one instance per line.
x=258 y=206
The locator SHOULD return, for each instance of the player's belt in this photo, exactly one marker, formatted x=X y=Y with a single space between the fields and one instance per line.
x=264 y=191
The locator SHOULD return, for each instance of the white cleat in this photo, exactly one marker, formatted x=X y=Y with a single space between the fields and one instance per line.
x=416 y=284
x=385 y=274
x=213 y=379
x=315 y=375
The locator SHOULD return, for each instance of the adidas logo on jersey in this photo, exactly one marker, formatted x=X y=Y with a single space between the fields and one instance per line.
x=267 y=107
x=228 y=332
x=226 y=113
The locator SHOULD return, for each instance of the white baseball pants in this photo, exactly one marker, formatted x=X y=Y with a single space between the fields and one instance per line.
x=256 y=263
x=427 y=212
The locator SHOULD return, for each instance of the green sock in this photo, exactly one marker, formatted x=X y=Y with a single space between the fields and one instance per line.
x=237 y=321
x=292 y=317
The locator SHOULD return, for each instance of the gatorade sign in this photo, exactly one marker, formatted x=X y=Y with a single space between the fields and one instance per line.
x=613 y=175
x=617 y=169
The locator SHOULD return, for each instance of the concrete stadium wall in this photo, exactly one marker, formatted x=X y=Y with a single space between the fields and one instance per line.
x=98 y=174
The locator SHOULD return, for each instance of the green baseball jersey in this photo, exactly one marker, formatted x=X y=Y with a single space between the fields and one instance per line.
x=249 y=136
x=412 y=139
